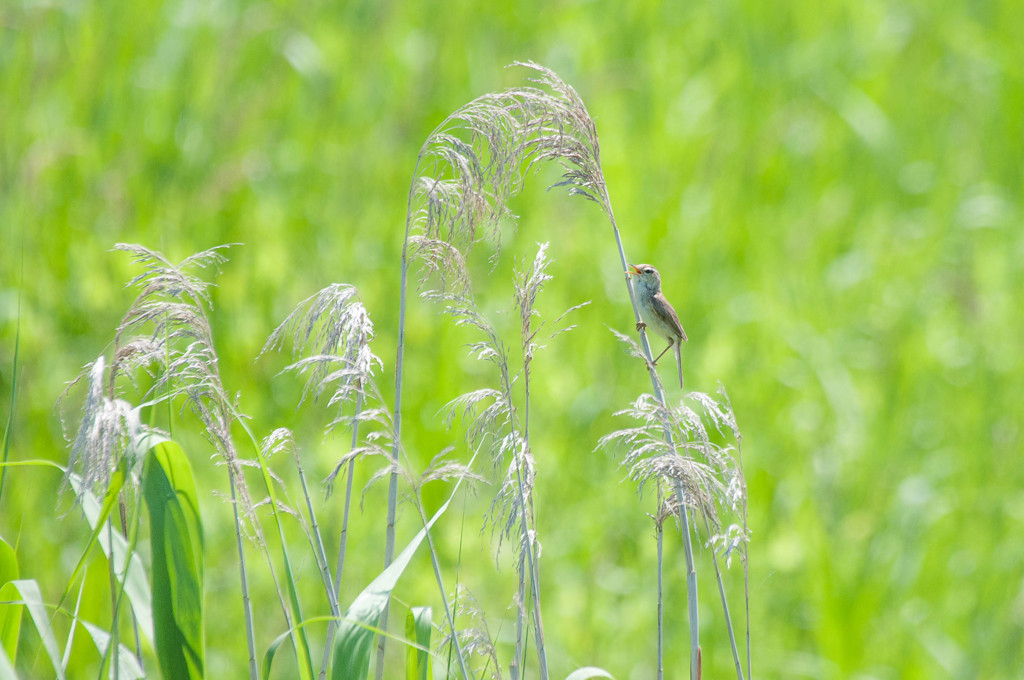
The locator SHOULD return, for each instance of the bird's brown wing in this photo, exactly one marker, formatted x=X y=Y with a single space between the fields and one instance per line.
x=664 y=310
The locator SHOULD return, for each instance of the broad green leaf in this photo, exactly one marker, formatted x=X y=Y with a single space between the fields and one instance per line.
x=417 y=629
x=359 y=625
x=10 y=614
x=588 y=672
x=177 y=546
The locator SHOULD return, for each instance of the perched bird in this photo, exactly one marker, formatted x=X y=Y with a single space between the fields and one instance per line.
x=657 y=313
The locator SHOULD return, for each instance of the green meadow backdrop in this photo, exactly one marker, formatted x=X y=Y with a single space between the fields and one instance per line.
x=832 y=192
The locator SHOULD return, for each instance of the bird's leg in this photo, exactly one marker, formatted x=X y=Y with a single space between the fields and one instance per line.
x=640 y=325
x=655 y=362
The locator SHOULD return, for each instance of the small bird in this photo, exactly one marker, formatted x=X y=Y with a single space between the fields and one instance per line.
x=656 y=311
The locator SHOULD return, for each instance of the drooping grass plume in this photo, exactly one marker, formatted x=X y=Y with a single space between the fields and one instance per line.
x=478 y=158
x=105 y=432
x=331 y=331
x=690 y=460
x=466 y=172
x=166 y=335
x=166 y=332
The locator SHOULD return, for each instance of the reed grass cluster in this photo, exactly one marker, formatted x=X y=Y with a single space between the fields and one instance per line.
x=164 y=370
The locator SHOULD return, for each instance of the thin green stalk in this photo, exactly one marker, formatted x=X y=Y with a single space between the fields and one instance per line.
x=725 y=604
x=14 y=383
x=527 y=543
x=131 y=543
x=318 y=547
x=528 y=546
x=660 y=535
x=343 y=540
x=691 y=585
x=291 y=608
x=528 y=508
x=124 y=532
x=746 y=602
x=466 y=674
x=117 y=589
x=520 y=654
x=458 y=566
x=389 y=541
x=115 y=625
x=746 y=566
x=75 y=618
x=348 y=498
x=250 y=632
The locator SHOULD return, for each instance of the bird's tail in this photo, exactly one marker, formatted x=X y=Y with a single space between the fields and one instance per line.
x=679 y=362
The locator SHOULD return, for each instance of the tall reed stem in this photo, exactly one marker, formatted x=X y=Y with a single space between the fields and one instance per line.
x=466 y=675
x=527 y=502
x=691 y=573
x=246 y=602
x=389 y=546
x=725 y=606
x=659 y=529
x=332 y=627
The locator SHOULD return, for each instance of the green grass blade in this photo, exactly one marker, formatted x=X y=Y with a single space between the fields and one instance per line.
x=6 y=667
x=27 y=593
x=355 y=634
x=177 y=545
x=116 y=548
x=268 y=656
x=10 y=620
x=69 y=641
x=97 y=516
x=299 y=639
x=272 y=649
x=10 y=615
x=293 y=607
x=14 y=394
x=128 y=666
x=418 y=628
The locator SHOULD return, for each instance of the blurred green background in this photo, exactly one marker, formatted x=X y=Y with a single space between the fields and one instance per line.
x=831 y=191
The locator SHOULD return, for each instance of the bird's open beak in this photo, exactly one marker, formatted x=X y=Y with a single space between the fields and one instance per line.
x=633 y=271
